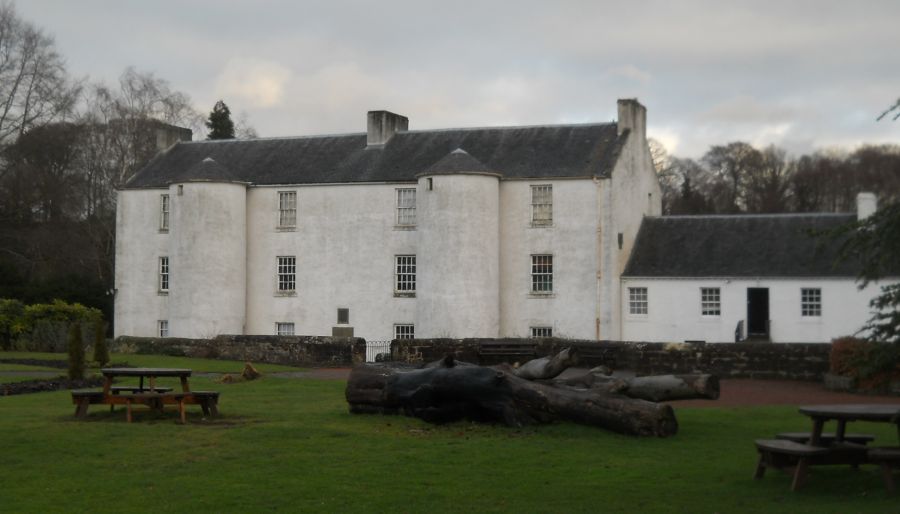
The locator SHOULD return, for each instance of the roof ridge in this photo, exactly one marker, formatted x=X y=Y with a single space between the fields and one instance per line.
x=502 y=127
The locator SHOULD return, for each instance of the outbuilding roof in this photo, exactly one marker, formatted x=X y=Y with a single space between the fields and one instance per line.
x=777 y=245
x=549 y=151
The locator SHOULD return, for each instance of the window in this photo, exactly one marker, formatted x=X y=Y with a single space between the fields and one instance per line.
x=163 y=274
x=542 y=205
x=287 y=274
x=637 y=300
x=404 y=331
x=164 y=212
x=287 y=209
x=406 y=207
x=710 y=303
x=162 y=328
x=343 y=316
x=811 y=302
x=284 y=329
x=541 y=331
x=542 y=274
x=405 y=274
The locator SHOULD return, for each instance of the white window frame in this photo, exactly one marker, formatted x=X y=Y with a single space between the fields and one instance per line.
x=162 y=328
x=164 y=212
x=405 y=275
x=541 y=331
x=287 y=209
x=811 y=302
x=542 y=205
x=542 y=274
x=638 y=301
x=404 y=331
x=284 y=328
x=163 y=283
x=286 y=274
x=406 y=206
x=710 y=301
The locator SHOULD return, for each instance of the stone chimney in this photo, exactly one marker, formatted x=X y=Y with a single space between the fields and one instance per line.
x=382 y=125
x=633 y=116
x=866 y=205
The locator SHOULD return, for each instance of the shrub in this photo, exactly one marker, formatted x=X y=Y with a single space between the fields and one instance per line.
x=11 y=321
x=873 y=365
x=44 y=327
x=101 y=352
x=76 y=352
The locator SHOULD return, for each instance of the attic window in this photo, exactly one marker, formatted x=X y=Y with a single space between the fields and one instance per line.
x=542 y=205
x=180 y=189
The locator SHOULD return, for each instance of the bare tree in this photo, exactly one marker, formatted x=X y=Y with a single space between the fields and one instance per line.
x=732 y=164
x=768 y=184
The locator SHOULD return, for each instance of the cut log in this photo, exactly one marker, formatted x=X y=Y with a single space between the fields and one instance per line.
x=442 y=394
x=545 y=368
x=661 y=388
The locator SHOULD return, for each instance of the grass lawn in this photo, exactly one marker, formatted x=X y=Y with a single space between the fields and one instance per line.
x=290 y=445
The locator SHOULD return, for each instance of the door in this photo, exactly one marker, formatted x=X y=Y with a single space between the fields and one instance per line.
x=758 y=312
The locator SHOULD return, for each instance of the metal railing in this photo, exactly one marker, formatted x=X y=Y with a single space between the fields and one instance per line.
x=376 y=348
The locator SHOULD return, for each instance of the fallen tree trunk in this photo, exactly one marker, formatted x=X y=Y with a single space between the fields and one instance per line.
x=447 y=392
x=548 y=367
x=656 y=388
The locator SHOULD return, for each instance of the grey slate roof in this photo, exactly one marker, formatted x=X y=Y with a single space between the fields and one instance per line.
x=208 y=169
x=515 y=152
x=457 y=161
x=778 y=245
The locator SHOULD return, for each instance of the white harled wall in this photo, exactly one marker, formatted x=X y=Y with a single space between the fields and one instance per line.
x=139 y=245
x=674 y=309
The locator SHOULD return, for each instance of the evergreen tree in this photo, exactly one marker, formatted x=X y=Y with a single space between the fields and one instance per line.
x=219 y=123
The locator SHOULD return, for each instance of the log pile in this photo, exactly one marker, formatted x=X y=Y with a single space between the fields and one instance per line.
x=448 y=390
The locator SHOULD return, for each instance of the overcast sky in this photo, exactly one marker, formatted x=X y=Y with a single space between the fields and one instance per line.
x=801 y=74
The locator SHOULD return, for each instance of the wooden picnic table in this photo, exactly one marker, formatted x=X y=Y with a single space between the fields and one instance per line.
x=885 y=413
x=151 y=373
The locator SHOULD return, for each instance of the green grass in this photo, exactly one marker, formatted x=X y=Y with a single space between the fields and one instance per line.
x=6 y=366
x=290 y=445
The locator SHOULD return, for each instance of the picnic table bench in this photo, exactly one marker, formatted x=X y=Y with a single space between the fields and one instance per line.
x=152 y=396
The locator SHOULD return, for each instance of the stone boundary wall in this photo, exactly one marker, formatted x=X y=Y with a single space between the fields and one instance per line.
x=798 y=361
x=308 y=351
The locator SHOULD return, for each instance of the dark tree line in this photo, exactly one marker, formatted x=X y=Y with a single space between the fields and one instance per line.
x=739 y=178
x=66 y=145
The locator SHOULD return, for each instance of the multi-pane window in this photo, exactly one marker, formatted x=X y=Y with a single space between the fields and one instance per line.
x=811 y=301
x=405 y=273
x=284 y=329
x=163 y=274
x=287 y=209
x=637 y=300
x=164 y=212
x=541 y=273
x=404 y=331
x=710 y=301
x=162 y=328
x=541 y=331
x=343 y=316
x=542 y=205
x=287 y=273
x=406 y=206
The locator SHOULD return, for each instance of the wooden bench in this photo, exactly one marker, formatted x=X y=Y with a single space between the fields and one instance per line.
x=84 y=397
x=207 y=400
x=826 y=439
x=786 y=456
x=136 y=389
x=889 y=460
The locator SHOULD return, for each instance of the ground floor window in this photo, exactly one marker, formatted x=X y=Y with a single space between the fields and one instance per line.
x=284 y=329
x=541 y=331
x=710 y=301
x=637 y=300
x=404 y=331
x=811 y=302
x=162 y=328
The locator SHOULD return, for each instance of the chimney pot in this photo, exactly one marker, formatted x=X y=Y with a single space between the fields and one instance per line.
x=632 y=116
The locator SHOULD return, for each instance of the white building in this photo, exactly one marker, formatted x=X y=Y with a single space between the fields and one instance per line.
x=485 y=232
x=511 y=231
x=727 y=278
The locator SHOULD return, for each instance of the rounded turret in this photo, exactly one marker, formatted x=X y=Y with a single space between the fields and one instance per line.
x=458 y=290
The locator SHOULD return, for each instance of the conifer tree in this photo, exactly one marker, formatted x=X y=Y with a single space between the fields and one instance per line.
x=219 y=123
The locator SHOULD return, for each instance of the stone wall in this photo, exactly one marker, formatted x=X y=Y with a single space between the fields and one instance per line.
x=800 y=361
x=307 y=351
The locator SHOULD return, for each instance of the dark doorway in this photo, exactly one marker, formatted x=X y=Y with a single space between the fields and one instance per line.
x=758 y=312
